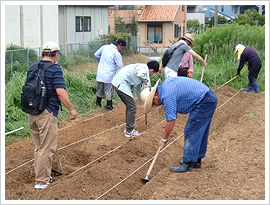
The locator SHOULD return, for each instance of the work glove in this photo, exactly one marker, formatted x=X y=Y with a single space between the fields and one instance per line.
x=189 y=75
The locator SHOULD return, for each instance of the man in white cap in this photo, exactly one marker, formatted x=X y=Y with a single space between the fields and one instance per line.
x=183 y=46
x=187 y=95
x=249 y=56
x=109 y=57
x=44 y=128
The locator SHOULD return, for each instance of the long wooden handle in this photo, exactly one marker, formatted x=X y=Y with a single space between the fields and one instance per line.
x=153 y=162
x=203 y=67
x=232 y=79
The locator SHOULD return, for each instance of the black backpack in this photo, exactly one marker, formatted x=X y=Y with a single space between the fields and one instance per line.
x=168 y=54
x=34 y=93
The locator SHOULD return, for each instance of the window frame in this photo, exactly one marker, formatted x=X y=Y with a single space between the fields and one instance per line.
x=81 y=25
x=155 y=25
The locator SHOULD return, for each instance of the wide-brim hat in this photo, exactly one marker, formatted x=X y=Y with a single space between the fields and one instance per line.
x=188 y=37
x=147 y=96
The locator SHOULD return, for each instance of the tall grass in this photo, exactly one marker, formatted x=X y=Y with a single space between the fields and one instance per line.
x=219 y=44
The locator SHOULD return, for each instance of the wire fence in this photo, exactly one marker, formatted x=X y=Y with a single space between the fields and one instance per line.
x=72 y=54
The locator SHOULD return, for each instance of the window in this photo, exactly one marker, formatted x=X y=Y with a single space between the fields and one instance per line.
x=83 y=23
x=176 y=31
x=154 y=33
x=222 y=8
x=183 y=8
x=126 y=7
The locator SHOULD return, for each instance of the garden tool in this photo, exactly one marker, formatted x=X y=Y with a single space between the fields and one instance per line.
x=203 y=67
x=146 y=179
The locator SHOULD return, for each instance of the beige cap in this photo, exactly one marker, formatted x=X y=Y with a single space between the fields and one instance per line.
x=50 y=46
x=147 y=97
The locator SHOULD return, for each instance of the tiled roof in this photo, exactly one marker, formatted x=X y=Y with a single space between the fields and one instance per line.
x=159 y=12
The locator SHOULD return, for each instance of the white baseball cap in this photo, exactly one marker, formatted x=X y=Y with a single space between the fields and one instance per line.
x=238 y=47
x=50 y=46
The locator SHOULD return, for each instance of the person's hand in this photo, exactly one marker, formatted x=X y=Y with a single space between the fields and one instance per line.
x=238 y=72
x=189 y=75
x=73 y=114
x=163 y=143
x=160 y=71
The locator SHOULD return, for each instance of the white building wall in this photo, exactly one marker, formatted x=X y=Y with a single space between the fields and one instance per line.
x=12 y=25
x=194 y=16
x=31 y=25
x=99 y=23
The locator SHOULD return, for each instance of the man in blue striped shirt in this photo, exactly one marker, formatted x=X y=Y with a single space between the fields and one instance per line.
x=186 y=95
x=109 y=57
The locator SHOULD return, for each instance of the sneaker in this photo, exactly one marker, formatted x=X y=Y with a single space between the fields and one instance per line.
x=133 y=133
x=40 y=186
x=50 y=180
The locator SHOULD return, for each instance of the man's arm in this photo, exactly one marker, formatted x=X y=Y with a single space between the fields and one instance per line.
x=63 y=97
x=197 y=56
x=168 y=129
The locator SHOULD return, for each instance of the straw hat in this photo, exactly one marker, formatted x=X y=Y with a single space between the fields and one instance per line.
x=189 y=37
x=147 y=97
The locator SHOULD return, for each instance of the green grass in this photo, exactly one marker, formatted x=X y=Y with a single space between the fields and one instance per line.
x=217 y=43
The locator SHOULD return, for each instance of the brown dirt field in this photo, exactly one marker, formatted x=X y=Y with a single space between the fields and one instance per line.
x=100 y=163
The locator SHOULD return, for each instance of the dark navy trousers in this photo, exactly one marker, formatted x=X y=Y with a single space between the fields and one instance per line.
x=197 y=128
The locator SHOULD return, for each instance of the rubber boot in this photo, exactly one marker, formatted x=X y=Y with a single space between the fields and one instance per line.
x=109 y=105
x=254 y=85
x=249 y=88
x=98 y=101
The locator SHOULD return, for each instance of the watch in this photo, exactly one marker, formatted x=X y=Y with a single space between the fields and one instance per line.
x=164 y=140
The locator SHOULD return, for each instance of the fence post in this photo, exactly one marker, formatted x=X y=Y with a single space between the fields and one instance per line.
x=11 y=64
x=88 y=54
x=27 y=58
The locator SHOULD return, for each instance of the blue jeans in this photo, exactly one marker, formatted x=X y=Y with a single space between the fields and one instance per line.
x=197 y=128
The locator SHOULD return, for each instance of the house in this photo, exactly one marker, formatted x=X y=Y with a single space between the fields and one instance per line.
x=32 y=25
x=160 y=25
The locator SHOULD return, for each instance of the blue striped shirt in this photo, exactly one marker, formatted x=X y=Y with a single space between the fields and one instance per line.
x=53 y=79
x=180 y=95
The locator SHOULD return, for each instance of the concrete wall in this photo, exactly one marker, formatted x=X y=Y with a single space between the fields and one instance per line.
x=30 y=25
x=67 y=26
x=194 y=16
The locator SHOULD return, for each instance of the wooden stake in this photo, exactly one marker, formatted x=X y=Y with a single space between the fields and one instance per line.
x=203 y=67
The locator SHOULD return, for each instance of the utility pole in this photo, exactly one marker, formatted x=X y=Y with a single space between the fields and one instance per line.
x=216 y=15
x=260 y=9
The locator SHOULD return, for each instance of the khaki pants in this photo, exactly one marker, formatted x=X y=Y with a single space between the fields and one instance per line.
x=45 y=133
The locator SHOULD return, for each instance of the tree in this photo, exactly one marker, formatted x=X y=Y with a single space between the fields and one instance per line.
x=194 y=26
x=251 y=18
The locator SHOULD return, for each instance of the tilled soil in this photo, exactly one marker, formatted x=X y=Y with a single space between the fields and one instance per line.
x=100 y=163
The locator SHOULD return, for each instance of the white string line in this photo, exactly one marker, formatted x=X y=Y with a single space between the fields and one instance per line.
x=19 y=166
x=154 y=155
x=138 y=168
x=229 y=99
x=107 y=153
x=98 y=134
x=95 y=160
x=81 y=121
x=73 y=144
